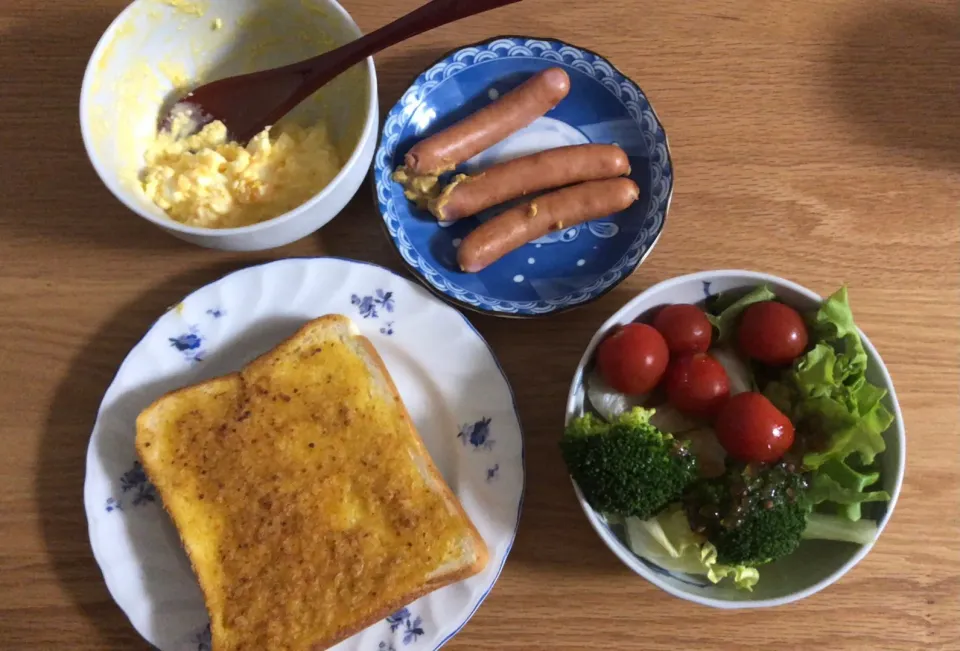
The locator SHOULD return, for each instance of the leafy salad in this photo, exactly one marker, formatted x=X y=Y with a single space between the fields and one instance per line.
x=726 y=435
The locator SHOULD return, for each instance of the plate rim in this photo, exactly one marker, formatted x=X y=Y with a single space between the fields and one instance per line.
x=427 y=296
x=524 y=313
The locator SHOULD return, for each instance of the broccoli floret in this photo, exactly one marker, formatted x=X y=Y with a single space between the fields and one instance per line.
x=752 y=514
x=627 y=467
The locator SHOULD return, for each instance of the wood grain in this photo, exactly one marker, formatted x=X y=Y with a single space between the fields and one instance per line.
x=815 y=140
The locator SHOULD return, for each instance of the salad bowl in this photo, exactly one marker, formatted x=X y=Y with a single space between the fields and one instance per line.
x=815 y=564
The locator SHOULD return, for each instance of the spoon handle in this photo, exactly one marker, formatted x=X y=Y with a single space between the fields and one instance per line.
x=433 y=14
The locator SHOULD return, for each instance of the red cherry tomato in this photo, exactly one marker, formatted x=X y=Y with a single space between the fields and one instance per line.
x=685 y=327
x=750 y=428
x=697 y=384
x=632 y=360
x=772 y=333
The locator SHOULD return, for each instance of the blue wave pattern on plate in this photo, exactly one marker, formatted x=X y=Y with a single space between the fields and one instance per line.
x=562 y=269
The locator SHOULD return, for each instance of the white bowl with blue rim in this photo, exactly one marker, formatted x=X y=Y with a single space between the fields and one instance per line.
x=561 y=270
x=449 y=379
x=816 y=564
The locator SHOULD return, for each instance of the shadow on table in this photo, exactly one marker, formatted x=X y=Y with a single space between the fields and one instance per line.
x=896 y=75
x=554 y=537
x=42 y=62
x=60 y=476
x=358 y=232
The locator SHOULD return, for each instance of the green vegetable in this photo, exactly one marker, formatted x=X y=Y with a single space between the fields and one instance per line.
x=821 y=526
x=837 y=482
x=627 y=467
x=668 y=541
x=724 y=315
x=835 y=409
x=752 y=514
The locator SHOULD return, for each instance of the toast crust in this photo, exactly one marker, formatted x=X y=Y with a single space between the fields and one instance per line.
x=234 y=384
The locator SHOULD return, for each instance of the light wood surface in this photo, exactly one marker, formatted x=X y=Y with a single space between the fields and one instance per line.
x=817 y=140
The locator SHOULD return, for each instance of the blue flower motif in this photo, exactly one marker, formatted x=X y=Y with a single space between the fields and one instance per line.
x=387 y=329
x=403 y=621
x=134 y=477
x=413 y=631
x=365 y=305
x=368 y=305
x=706 y=289
x=385 y=300
x=113 y=505
x=477 y=434
x=189 y=344
x=396 y=619
x=185 y=342
x=203 y=639
x=216 y=312
x=135 y=480
x=493 y=473
x=145 y=493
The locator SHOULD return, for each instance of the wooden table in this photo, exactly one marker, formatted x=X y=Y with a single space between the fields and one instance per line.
x=816 y=140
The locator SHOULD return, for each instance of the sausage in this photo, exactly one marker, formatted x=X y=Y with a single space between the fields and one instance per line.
x=554 y=211
x=553 y=168
x=443 y=151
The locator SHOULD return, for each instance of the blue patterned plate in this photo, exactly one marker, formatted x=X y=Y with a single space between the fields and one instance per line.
x=448 y=377
x=563 y=269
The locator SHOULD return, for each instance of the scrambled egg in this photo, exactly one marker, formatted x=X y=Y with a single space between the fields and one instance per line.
x=187 y=7
x=208 y=181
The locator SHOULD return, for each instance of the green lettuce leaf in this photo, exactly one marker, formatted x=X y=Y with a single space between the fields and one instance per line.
x=724 y=315
x=668 y=541
x=821 y=526
x=743 y=577
x=827 y=395
x=838 y=483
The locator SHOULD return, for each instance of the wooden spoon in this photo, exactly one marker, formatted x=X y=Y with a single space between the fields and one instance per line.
x=247 y=104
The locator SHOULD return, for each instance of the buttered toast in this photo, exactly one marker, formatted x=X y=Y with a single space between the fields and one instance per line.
x=306 y=500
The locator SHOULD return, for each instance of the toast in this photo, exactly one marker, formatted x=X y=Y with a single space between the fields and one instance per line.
x=303 y=495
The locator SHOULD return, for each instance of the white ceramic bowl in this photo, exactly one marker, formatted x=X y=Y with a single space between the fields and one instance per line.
x=816 y=564
x=154 y=48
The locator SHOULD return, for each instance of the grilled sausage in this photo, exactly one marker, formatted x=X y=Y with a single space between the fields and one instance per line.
x=443 y=151
x=554 y=168
x=550 y=212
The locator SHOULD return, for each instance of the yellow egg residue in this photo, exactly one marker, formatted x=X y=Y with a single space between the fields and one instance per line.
x=190 y=7
x=208 y=181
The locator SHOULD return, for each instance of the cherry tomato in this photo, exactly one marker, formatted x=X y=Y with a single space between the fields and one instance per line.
x=685 y=327
x=632 y=360
x=750 y=428
x=697 y=384
x=772 y=333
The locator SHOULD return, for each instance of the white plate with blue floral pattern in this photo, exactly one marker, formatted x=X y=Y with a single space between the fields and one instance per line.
x=455 y=390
